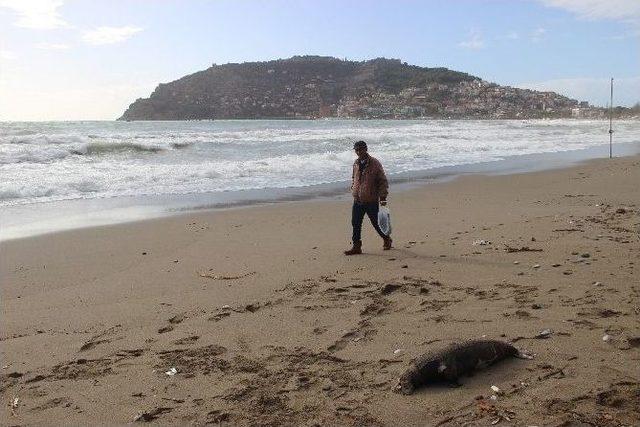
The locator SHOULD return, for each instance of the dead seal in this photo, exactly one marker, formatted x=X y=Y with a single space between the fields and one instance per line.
x=451 y=363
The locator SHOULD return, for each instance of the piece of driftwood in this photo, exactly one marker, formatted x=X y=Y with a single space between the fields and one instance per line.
x=222 y=277
x=521 y=249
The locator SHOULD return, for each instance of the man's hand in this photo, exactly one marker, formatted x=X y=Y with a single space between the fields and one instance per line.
x=383 y=203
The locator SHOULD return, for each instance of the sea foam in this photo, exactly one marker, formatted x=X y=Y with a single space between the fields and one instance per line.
x=42 y=162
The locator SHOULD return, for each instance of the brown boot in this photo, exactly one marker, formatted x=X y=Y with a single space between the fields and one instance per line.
x=356 y=249
x=387 y=243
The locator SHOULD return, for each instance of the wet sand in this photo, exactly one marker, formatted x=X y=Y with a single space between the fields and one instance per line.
x=267 y=323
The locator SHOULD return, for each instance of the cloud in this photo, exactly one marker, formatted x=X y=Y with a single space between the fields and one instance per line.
x=627 y=11
x=475 y=41
x=538 y=34
x=624 y=10
x=109 y=35
x=513 y=36
x=52 y=46
x=7 y=55
x=626 y=91
x=36 y=14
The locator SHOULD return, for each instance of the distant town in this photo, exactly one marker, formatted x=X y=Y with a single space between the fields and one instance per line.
x=468 y=99
x=313 y=87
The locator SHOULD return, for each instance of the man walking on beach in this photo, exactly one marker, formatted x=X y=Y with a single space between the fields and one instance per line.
x=369 y=187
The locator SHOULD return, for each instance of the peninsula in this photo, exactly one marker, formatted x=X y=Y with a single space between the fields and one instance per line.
x=311 y=87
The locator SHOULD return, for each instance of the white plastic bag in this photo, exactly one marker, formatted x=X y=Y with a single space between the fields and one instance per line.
x=384 y=220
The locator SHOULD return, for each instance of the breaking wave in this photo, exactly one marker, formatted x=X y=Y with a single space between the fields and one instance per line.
x=61 y=161
x=106 y=148
x=21 y=152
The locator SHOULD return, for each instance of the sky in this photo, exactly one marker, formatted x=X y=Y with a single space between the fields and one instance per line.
x=89 y=59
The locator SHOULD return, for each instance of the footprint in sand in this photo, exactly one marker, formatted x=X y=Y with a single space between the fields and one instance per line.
x=344 y=340
x=151 y=415
x=187 y=340
x=363 y=331
x=178 y=318
x=52 y=403
x=90 y=344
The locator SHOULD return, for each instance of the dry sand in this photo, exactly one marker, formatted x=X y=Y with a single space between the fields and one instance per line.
x=267 y=323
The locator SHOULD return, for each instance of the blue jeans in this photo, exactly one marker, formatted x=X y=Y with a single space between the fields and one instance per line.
x=357 y=216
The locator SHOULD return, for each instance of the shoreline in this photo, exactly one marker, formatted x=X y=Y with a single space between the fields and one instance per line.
x=421 y=118
x=293 y=119
x=84 y=213
x=266 y=322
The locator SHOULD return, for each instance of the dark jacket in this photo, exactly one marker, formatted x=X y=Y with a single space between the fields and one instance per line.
x=371 y=186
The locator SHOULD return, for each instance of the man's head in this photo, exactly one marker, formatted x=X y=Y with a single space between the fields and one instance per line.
x=360 y=148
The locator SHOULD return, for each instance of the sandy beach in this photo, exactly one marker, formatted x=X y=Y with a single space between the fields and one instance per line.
x=252 y=316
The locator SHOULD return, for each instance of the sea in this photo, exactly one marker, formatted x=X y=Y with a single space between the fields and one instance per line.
x=60 y=175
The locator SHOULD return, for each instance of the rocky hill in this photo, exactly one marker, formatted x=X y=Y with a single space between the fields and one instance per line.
x=316 y=87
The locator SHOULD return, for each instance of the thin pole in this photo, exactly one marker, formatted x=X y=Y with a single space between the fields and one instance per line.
x=611 y=122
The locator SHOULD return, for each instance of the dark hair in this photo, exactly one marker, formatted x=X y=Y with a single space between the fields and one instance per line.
x=360 y=144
